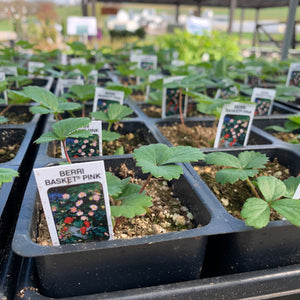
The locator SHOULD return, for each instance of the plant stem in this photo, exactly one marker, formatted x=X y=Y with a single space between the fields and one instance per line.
x=252 y=187
x=83 y=110
x=66 y=152
x=109 y=126
x=5 y=109
x=180 y=107
x=145 y=184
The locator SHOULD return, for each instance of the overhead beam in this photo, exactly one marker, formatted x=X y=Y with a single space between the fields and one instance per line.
x=231 y=15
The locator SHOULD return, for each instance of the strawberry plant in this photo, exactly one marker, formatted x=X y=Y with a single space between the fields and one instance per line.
x=289 y=126
x=7 y=175
x=63 y=129
x=268 y=191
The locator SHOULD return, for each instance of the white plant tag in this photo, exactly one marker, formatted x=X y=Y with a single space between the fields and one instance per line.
x=293 y=78
x=85 y=147
x=146 y=62
x=264 y=99
x=253 y=79
x=234 y=125
x=63 y=85
x=171 y=99
x=77 y=61
x=297 y=193
x=4 y=93
x=9 y=71
x=75 y=202
x=34 y=65
x=104 y=97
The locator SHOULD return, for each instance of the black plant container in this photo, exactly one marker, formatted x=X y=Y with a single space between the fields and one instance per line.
x=97 y=267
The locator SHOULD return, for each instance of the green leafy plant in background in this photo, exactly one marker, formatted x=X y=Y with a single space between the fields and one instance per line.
x=7 y=175
x=269 y=192
x=289 y=126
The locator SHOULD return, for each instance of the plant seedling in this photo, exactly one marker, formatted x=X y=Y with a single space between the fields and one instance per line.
x=269 y=191
x=68 y=128
x=160 y=160
x=49 y=103
x=7 y=175
x=289 y=126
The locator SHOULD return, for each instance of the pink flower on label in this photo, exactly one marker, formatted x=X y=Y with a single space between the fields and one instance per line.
x=79 y=213
x=79 y=150
x=81 y=195
x=66 y=196
x=94 y=144
x=92 y=150
x=90 y=213
x=85 y=141
x=75 y=141
x=83 y=218
x=78 y=203
x=73 y=209
x=96 y=197
x=54 y=208
x=83 y=146
x=93 y=207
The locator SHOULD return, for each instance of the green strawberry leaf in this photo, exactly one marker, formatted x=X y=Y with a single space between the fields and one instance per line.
x=288 y=208
x=46 y=138
x=159 y=159
x=291 y=184
x=271 y=187
x=256 y=212
x=108 y=136
x=7 y=175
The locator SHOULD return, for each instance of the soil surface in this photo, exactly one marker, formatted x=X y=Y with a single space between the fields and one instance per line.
x=10 y=142
x=165 y=215
x=233 y=196
x=200 y=136
x=154 y=111
x=287 y=137
x=15 y=118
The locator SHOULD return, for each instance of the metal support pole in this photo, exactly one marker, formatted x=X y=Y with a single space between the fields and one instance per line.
x=255 y=33
x=241 y=25
x=289 y=29
x=84 y=8
x=177 y=13
x=93 y=8
x=231 y=15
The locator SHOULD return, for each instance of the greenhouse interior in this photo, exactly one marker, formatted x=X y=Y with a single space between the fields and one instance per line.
x=162 y=139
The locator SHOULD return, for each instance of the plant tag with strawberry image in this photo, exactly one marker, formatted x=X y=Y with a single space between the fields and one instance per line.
x=264 y=99
x=293 y=78
x=146 y=62
x=252 y=77
x=3 y=94
x=104 y=97
x=85 y=147
x=234 y=125
x=75 y=202
x=172 y=96
x=63 y=85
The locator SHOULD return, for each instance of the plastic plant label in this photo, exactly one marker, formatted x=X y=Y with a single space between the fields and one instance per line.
x=234 y=125
x=75 y=202
x=253 y=78
x=104 y=97
x=171 y=99
x=9 y=71
x=33 y=66
x=293 y=78
x=227 y=92
x=297 y=193
x=77 y=61
x=3 y=95
x=85 y=147
x=146 y=62
x=63 y=85
x=177 y=63
x=264 y=99
x=149 y=89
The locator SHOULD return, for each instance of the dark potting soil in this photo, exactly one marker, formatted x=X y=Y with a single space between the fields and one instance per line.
x=15 y=118
x=166 y=214
x=199 y=136
x=233 y=196
x=10 y=142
